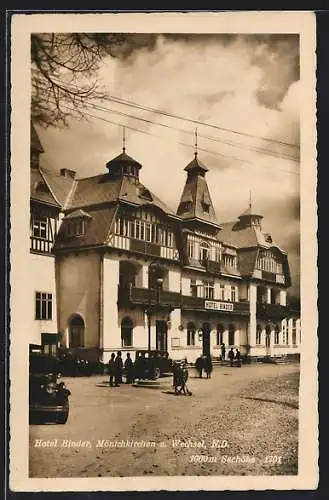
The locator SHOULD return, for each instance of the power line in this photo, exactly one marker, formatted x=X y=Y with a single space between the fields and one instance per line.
x=133 y=104
x=256 y=149
x=178 y=142
x=214 y=139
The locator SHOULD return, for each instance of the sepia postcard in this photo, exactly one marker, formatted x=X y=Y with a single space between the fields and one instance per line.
x=163 y=251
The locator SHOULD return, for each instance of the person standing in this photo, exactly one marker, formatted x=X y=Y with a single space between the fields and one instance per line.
x=111 y=369
x=231 y=356
x=208 y=366
x=129 y=367
x=118 y=369
x=238 y=357
x=199 y=366
x=222 y=350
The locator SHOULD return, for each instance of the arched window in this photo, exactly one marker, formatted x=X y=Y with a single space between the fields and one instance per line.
x=204 y=251
x=191 y=333
x=76 y=331
x=231 y=336
x=276 y=334
x=219 y=334
x=126 y=332
x=259 y=334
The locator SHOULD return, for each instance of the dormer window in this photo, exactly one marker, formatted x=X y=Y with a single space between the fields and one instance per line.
x=75 y=228
x=205 y=207
x=185 y=206
x=40 y=186
x=145 y=194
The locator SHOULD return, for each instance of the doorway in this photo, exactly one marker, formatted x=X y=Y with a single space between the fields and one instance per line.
x=161 y=335
x=77 y=331
x=206 y=339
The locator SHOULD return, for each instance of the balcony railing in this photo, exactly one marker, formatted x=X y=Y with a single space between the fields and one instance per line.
x=147 y=297
x=41 y=245
x=271 y=311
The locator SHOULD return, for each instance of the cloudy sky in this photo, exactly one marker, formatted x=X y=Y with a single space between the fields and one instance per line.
x=243 y=83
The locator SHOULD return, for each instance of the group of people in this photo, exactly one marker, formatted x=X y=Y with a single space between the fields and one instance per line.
x=204 y=363
x=232 y=356
x=116 y=367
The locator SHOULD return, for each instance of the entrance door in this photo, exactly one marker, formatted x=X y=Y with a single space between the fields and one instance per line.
x=77 y=331
x=206 y=339
x=161 y=335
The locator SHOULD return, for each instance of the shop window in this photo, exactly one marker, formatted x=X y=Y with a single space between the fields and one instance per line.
x=220 y=334
x=293 y=332
x=277 y=335
x=191 y=333
x=258 y=334
x=43 y=305
x=126 y=332
x=231 y=334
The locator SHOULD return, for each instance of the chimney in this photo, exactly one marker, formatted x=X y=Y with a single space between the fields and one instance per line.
x=66 y=172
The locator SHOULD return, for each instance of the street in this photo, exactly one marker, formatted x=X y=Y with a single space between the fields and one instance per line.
x=243 y=421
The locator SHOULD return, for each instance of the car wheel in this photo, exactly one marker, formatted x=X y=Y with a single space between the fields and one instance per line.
x=62 y=418
x=157 y=373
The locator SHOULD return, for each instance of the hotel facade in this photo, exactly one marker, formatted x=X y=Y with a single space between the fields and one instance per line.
x=114 y=268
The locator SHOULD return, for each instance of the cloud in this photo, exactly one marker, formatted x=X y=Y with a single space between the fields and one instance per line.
x=220 y=81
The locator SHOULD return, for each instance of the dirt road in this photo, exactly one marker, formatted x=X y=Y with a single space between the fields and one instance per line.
x=243 y=421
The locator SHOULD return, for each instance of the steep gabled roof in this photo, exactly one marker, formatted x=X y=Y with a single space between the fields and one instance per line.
x=39 y=189
x=60 y=185
x=97 y=228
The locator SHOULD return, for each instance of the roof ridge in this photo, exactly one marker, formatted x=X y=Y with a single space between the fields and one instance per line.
x=50 y=189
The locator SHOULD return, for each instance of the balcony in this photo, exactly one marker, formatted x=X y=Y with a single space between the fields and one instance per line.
x=145 y=247
x=271 y=311
x=41 y=245
x=128 y=296
x=212 y=266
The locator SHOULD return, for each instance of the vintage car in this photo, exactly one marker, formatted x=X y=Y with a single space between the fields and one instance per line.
x=48 y=397
x=73 y=365
x=152 y=364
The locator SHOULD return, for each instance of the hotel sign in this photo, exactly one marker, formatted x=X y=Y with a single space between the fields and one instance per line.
x=218 y=306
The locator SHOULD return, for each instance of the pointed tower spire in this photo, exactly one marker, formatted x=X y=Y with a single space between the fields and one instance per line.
x=123 y=139
x=249 y=218
x=196 y=142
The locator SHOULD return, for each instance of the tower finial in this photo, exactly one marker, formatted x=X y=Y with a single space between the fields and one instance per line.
x=196 y=142
x=123 y=139
x=250 y=199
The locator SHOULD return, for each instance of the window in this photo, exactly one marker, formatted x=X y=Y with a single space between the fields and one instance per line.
x=222 y=292
x=284 y=332
x=190 y=249
x=277 y=335
x=208 y=290
x=233 y=293
x=191 y=333
x=220 y=334
x=43 y=305
x=40 y=227
x=77 y=228
x=205 y=207
x=126 y=332
x=193 y=288
x=293 y=332
x=258 y=334
x=204 y=251
x=231 y=334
